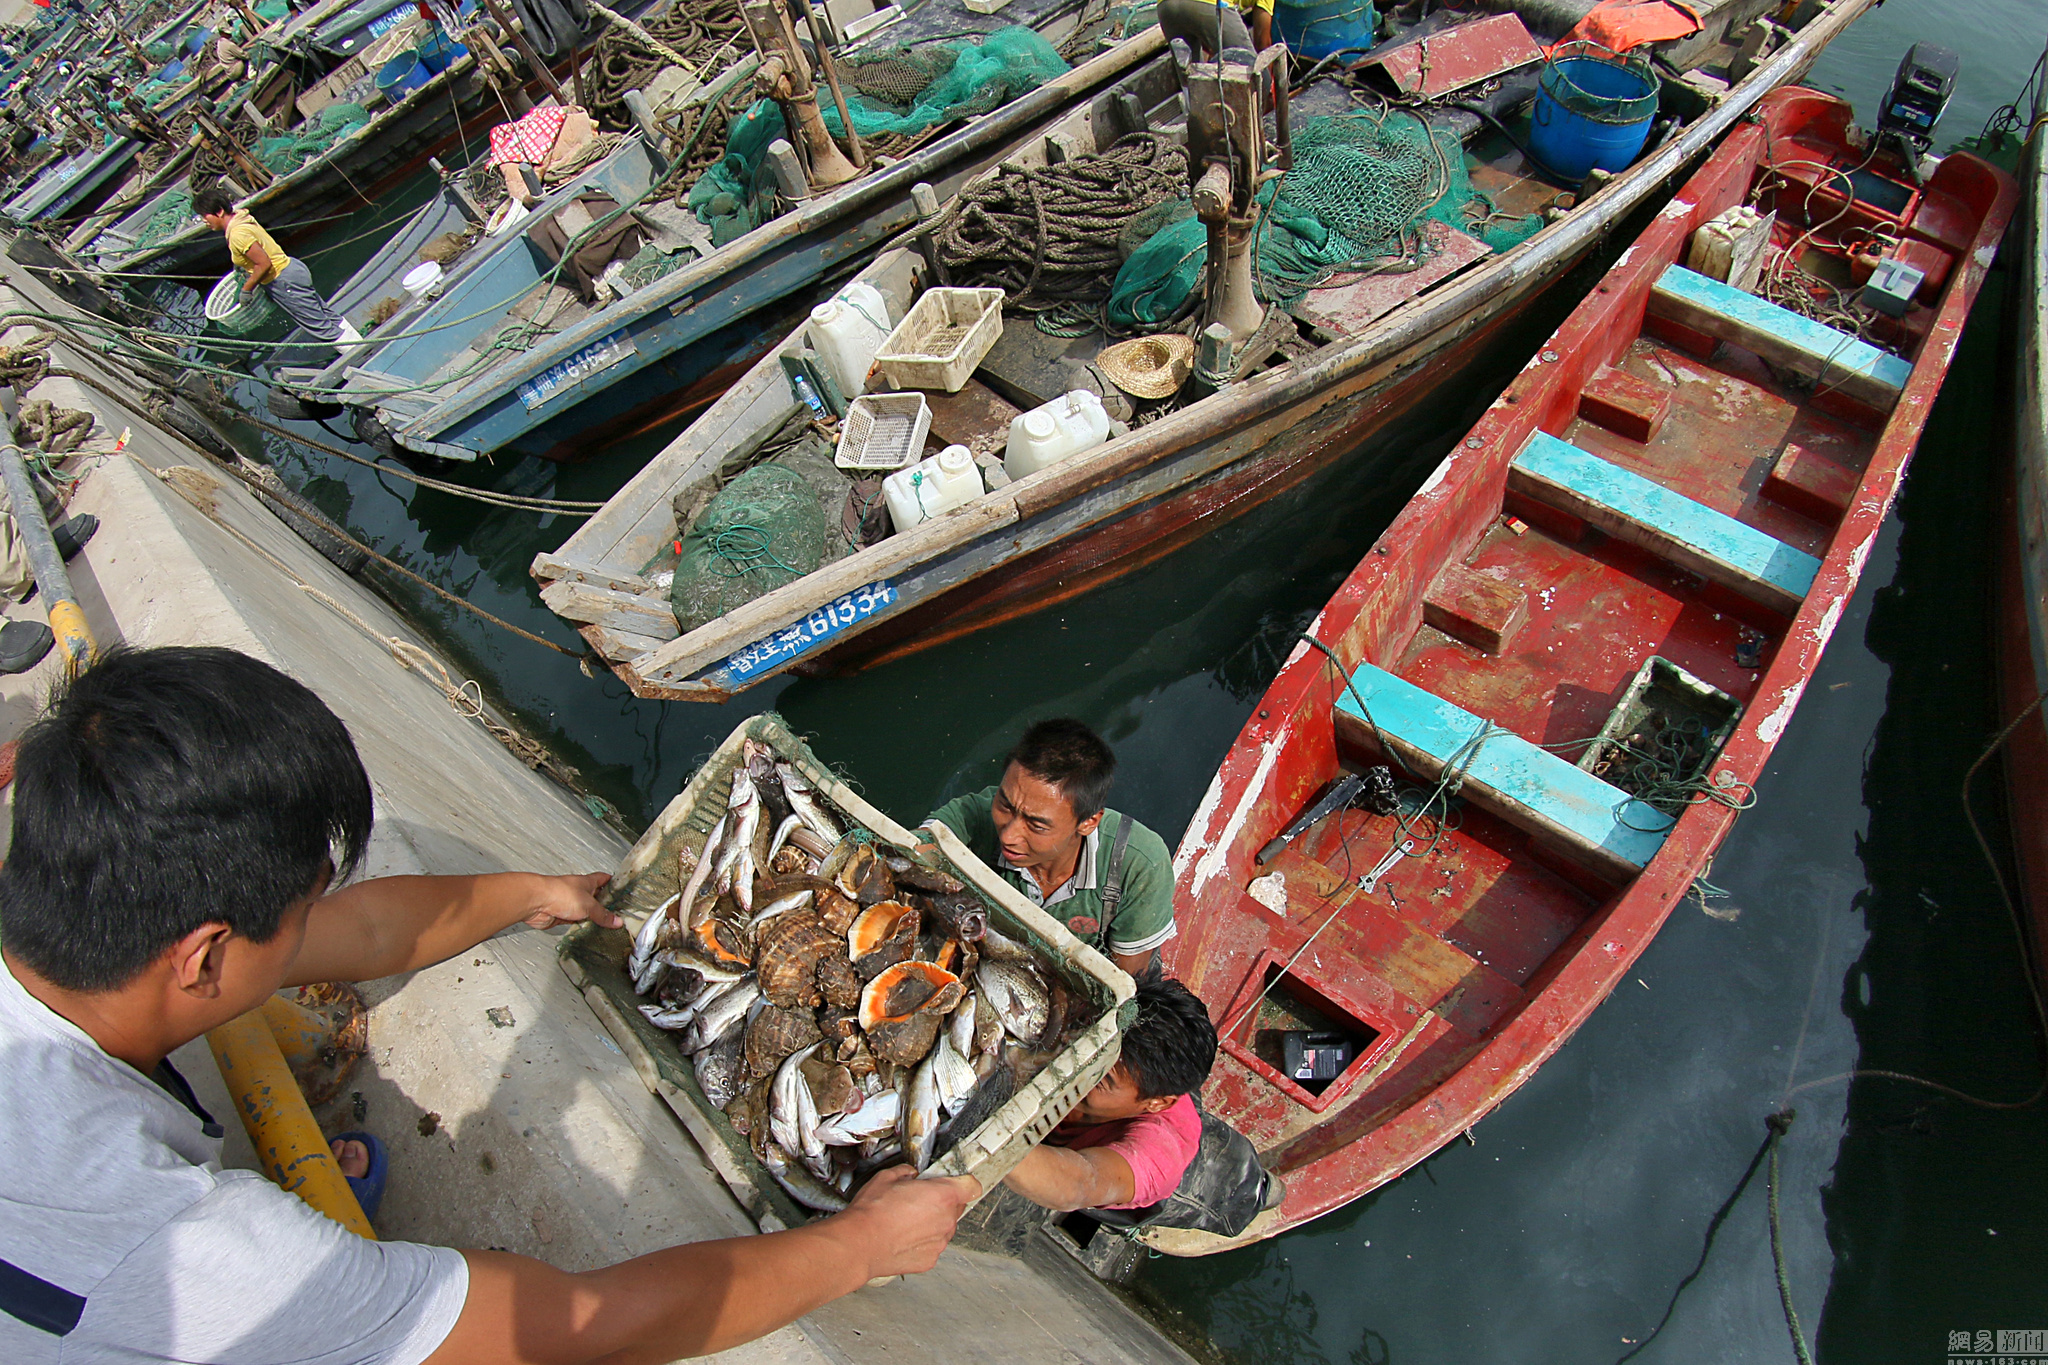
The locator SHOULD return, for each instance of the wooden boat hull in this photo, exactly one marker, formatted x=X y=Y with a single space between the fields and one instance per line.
x=2022 y=534
x=1167 y=479
x=1528 y=936
x=501 y=406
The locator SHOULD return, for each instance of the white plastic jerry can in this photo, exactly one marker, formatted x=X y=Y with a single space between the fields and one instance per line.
x=847 y=331
x=932 y=487
x=1068 y=425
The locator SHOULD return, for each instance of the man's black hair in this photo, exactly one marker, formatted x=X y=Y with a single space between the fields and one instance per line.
x=1072 y=757
x=165 y=789
x=213 y=200
x=1171 y=1045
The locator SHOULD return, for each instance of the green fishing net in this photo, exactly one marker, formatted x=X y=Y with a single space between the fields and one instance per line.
x=762 y=530
x=908 y=88
x=1363 y=187
x=737 y=193
x=272 y=10
x=171 y=217
x=283 y=155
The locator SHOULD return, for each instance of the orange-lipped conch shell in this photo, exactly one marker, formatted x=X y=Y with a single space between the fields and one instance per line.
x=882 y=936
x=908 y=988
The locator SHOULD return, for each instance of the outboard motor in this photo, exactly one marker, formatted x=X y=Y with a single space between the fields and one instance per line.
x=1229 y=160
x=1919 y=95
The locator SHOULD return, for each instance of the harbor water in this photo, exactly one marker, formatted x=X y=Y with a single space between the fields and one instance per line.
x=1616 y=1207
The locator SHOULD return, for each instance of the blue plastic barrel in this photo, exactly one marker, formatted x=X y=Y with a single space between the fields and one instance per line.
x=172 y=73
x=439 y=52
x=1313 y=29
x=401 y=75
x=1593 y=109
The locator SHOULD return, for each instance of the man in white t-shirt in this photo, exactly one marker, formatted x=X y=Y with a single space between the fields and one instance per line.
x=179 y=815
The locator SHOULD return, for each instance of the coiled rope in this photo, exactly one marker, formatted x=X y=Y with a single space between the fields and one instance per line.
x=1048 y=235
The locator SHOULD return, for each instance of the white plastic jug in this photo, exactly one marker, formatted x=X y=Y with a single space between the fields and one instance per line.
x=846 y=331
x=932 y=487
x=1044 y=436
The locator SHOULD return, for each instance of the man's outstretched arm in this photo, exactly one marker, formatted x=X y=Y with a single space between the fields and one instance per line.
x=400 y=924
x=705 y=1297
x=1067 y=1178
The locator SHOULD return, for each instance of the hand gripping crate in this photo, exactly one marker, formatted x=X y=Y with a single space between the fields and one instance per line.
x=594 y=959
x=942 y=338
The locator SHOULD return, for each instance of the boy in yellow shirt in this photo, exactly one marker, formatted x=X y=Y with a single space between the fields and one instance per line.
x=264 y=265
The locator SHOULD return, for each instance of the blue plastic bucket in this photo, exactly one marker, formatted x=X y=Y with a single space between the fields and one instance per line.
x=401 y=75
x=1593 y=109
x=439 y=52
x=1313 y=29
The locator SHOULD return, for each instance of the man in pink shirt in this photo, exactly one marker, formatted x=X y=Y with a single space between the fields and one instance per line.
x=1130 y=1140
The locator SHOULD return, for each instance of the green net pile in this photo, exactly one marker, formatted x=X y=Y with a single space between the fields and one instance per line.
x=650 y=263
x=172 y=216
x=1357 y=202
x=737 y=194
x=283 y=155
x=906 y=89
x=161 y=51
x=270 y=11
x=767 y=527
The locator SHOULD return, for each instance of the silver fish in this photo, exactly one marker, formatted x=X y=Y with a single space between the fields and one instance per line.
x=1017 y=996
x=744 y=804
x=877 y=1118
x=645 y=944
x=800 y=1185
x=706 y=860
x=920 y=1123
x=803 y=800
x=782 y=833
x=795 y=900
x=994 y=947
x=671 y=1019
x=726 y=1014
x=715 y=972
x=792 y=1113
x=954 y=1076
x=960 y=1027
x=748 y=803
x=721 y=1070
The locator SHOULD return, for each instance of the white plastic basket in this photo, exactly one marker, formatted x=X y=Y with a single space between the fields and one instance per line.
x=884 y=431
x=942 y=338
x=649 y=876
x=232 y=310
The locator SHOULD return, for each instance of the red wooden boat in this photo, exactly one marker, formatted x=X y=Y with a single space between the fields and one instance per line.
x=1581 y=638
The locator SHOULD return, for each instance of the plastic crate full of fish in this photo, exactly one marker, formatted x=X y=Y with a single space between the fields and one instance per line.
x=818 y=997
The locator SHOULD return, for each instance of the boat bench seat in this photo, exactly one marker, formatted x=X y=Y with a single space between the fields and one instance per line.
x=1826 y=356
x=1645 y=513
x=1529 y=787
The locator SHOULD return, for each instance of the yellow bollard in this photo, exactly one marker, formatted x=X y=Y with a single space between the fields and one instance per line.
x=287 y=1139
x=74 y=637
x=301 y=1034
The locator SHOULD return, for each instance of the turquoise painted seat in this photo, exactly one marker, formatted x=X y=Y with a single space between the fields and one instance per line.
x=1528 y=786
x=1828 y=356
x=1643 y=512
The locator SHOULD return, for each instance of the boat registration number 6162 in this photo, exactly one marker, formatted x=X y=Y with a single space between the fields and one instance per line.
x=807 y=634
x=601 y=354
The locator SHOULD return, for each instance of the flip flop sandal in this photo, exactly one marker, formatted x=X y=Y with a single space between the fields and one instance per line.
x=368 y=1187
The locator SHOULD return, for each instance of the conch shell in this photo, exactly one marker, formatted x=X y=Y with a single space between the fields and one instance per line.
x=884 y=935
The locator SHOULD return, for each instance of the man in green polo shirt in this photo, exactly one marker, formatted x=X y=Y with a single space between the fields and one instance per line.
x=1045 y=829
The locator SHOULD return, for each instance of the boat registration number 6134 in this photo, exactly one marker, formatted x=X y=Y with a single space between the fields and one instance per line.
x=601 y=354
x=807 y=634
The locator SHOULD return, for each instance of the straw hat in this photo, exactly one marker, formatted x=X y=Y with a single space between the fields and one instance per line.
x=1149 y=367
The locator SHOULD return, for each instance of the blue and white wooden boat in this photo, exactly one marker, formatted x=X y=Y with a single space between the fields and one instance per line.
x=433 y=391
